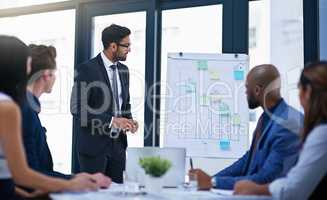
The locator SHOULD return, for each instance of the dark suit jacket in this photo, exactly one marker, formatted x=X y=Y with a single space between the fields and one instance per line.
x=92 y=90
x=35 y=141
x=275 y=154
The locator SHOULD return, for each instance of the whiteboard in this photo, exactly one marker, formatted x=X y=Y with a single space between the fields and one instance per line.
x=206 y=108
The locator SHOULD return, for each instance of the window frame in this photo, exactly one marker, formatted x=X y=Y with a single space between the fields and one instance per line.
x=235 y=40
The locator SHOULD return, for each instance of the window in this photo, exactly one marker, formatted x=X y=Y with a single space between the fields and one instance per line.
x=203 y=35
x=276 y=37
x=55 y=111
x=258 y=48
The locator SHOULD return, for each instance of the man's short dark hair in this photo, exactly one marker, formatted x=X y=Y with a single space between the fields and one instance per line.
x=114 y=33
x=43 y=57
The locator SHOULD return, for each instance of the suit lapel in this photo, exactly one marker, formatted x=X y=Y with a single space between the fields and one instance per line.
x=264 y=132
x=246 y=168
x=276 y=113
x=121 y=72
x=122 y=77
x=104 y=73
x=103 y=70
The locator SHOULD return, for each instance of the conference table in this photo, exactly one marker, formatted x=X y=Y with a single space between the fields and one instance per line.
x=119 y=191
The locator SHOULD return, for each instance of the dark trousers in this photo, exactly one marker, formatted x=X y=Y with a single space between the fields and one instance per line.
x=111 y=162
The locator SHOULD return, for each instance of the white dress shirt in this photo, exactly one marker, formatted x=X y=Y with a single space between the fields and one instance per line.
x=107 y=63
x=310 y=169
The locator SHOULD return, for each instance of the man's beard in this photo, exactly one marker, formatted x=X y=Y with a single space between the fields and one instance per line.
x=252 y=103
x=119 y=58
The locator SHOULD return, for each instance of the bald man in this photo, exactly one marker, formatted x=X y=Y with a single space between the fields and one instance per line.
x=275 y=144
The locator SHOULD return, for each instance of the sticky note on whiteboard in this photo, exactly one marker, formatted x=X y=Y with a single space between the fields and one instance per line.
x=214 y=75
x=239 y=75
x=224 y=144
x=239 y=72
x=202 y=65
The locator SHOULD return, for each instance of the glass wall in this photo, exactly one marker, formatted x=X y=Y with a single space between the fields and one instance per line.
x=55 y=112
x=258 y=47
x=202 y=35
x=276 y=37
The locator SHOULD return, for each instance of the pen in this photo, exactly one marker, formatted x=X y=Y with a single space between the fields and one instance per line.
x=191 y=163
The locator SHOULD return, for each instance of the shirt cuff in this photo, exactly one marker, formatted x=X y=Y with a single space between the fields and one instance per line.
x=275 y=188
x=213 y=181
x=110 y=124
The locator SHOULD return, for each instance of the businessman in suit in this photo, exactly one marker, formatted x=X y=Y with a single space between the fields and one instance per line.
x=275 y=144
x=100 y=104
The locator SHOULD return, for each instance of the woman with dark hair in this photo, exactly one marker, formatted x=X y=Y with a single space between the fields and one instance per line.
x=307 y=179
x=15 y=64
x=13 y=75
x=41 y=80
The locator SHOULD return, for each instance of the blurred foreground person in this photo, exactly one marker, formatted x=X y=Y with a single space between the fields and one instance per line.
x=15 y=64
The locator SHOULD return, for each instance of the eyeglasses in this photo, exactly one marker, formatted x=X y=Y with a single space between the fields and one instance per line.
x=124 y=45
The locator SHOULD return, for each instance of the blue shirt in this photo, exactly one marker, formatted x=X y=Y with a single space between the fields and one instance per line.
x=35 y=140
x=266 y=114
x=310 y=169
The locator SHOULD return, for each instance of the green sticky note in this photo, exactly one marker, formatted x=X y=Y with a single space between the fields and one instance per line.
x=202 y=65
x=214 y=75
x=236 y=119
x=204 y=100
x=223 y=107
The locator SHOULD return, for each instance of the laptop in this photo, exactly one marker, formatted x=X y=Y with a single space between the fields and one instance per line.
x=174 y=177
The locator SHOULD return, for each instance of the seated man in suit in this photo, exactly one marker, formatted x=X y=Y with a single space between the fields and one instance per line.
x=275 y=144
x=41 y=80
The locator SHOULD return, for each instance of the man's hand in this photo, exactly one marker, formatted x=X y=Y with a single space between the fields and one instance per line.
x=101 y=180
x=250 y=188
x=204 y=180
x=136 y=126
x=123 y=123
x=81 y=183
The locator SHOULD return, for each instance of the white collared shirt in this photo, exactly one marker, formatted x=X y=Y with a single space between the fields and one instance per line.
x=107 y=63
x=310 y=169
